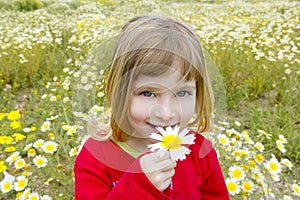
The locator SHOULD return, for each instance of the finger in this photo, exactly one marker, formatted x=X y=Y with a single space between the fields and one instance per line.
x=165 y=165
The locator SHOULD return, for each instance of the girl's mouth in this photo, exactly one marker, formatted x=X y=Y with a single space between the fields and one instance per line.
x=164 y=126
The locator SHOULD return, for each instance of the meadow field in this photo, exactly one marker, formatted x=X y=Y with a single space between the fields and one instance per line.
x=50 y=87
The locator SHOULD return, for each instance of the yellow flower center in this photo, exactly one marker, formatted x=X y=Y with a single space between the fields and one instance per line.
x=50 y=147
x=223 y=141
x=231 y=186
x=273 y=166
x=236 y=173
x=247 y=186
x=21 y=183
x=296 y=190
x=171 y=142
x=7 y=186
x=40 y=161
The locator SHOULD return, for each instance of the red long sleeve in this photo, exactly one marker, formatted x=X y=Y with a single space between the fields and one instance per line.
x=105 y=171
x=94 y=180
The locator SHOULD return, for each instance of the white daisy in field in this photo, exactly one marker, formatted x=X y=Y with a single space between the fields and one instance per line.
x=264 y=133
x=280 y=146
x=50 y=147
x=287 y=163
x=224 y=140
x=38 y=144
x=282 y=138
x=73 y=152
x=20 y=183
x=247 y=138
x=286 y=197
x=173 y=141
x=40 y=161
x=13 y=157
x=27 y=130
x=296 y=190
x=46 y=197
x=33 y=196
x=275 y=177
x=46 y=126
x=6 y=185
x=259 y=146
x=24 y=194
x=232 y=186
x=236 y=173
x=259 y=158
x=19 y=163
x=273 y=166
x=248 y=186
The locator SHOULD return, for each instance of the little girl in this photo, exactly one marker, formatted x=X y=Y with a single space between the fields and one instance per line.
x=157 y=82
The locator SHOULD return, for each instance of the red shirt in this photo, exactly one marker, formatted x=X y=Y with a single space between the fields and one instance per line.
x=104 y=171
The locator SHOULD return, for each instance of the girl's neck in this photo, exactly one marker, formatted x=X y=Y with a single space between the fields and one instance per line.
x=139 y=144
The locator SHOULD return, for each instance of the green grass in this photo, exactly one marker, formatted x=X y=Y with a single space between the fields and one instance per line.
x=254 y=45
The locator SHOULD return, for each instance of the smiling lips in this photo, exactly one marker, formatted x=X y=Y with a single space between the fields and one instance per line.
x=163 y=126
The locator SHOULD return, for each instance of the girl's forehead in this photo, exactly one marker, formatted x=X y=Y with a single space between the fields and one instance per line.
x=172 y=79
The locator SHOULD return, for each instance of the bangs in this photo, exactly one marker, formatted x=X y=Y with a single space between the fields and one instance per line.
x=156 y=62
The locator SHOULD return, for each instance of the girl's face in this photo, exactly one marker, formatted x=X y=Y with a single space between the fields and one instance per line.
x=161 y=101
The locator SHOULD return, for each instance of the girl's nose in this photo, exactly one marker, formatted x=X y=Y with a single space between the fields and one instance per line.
x=165 y=110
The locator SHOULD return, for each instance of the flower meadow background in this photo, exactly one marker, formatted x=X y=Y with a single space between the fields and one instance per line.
x=43 y=48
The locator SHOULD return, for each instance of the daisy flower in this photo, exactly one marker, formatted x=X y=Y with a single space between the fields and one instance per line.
x=73 y=152
x=13 y=157
x=248 y=187
x=50 y=147
x=259 y=158
x=282 y=138
x=46 y=197
x=280 y=146
x=236 y=173
x=259 y=146
x=232 y=186
x=173 y=141
x=24 y=194
x=38 y=144
x=223 y=139
x=20 y=163
x=273 y=166
x=296 y=190
x=20 y=183
x=40 y=161
x=33 y=196
x=6 y=185
x=46 y=126
x=287 y=163
x=286 y=197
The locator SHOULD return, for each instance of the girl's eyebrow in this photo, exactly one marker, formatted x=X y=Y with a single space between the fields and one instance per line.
x=159 y=87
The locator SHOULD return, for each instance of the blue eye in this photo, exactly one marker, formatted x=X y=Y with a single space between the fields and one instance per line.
x=147 y=93
x=182 y=93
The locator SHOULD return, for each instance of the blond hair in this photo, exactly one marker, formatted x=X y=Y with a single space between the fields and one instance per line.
x=145 y=44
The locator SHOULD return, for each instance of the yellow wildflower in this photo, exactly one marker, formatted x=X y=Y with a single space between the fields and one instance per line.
x=13 y=115
x=3 y=167
x=10 y=149
x=15 y=125
x=6 y=139
x=2 y=115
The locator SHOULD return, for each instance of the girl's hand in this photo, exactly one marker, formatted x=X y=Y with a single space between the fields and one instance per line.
x=158 y=170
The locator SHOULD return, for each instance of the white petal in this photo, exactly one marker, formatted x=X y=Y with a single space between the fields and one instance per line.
x=176 y=130
x=156 y=136
x=180 y=153
x=169 y=130
x=154 y=147
x=162 y=131
x=189 y=139
x=184 y=132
